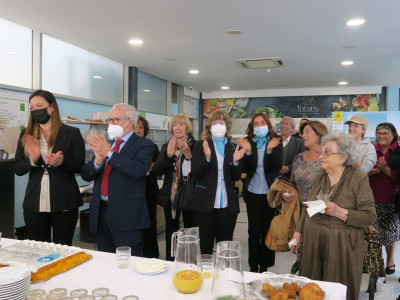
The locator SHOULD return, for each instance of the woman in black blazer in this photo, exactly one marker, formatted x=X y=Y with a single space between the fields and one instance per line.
x=52 y=153
x=215 y=168
x=174 y=162
x=150 y=243
x=262 y=162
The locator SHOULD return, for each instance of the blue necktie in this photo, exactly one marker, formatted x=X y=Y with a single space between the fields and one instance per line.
x=220 y=145
x=260 y=142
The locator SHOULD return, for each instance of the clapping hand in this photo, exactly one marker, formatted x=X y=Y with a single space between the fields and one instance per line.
x=273 y=143
x=32 y=147
x=244 y=143
x=54 y=159
x=238 y=154
x=99 y=145
x=171 y=149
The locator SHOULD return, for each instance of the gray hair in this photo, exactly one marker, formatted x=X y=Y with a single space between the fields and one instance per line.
x=346 y=145
x=129 y=110
x=289 y=118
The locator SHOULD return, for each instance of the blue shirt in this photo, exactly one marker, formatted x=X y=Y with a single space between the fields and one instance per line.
x=258 y=184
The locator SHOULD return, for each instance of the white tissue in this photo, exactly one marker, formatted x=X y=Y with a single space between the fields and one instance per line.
x=293 y=242
x=317 y=206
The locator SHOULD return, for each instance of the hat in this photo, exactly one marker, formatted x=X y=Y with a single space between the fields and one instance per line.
x=358 y=120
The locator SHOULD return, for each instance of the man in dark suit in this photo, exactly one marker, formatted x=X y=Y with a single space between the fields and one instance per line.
x=118 y=211
x=291 y=146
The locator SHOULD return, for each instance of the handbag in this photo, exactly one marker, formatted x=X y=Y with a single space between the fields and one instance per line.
x=182 y=196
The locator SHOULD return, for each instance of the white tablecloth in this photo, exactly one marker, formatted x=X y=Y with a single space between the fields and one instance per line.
x=102 y=271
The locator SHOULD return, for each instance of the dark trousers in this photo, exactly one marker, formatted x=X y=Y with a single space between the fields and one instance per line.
x=109 y=239
x=40 y=224
x=172 y=225
x=150 y=244
x=259 y=216
x=218 y=225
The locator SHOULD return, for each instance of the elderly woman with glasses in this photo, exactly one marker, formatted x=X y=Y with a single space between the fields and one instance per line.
x=332 y=241
x=384 y=181
x=215 y=168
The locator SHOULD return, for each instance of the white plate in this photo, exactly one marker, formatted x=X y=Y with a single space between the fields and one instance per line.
x=13 y=274
x=151 y=266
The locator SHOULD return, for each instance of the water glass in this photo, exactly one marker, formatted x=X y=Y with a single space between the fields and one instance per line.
x=207 y=263
x=37 y=294
x=228 y=280
x=131 y=297
x=57 y=293
x=78 y=293
x=109 y=297
x=123 y=256
x=87 y=297
x=100 y=292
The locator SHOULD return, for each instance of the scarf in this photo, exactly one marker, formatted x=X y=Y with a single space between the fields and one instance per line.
x=220 y=145
x=260 y=142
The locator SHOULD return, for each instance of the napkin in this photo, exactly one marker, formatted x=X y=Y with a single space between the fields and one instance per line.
x=151 y=265
x=317 y=206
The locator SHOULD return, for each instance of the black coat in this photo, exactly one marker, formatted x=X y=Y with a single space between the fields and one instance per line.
x=272 y=165
x=394 y=159
x=205 y=177
x=64 y=190
x=151 y=179
x=165 y=166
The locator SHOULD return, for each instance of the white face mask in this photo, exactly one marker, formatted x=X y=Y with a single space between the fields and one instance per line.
x=115 y=131
x=218 y=131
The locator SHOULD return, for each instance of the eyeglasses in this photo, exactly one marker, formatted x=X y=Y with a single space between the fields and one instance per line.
x=115 y=120
x=328 y=153
x=383 y=133
x=218 y=122
x=286 y=124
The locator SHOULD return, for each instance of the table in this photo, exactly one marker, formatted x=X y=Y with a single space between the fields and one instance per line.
x=102 y=271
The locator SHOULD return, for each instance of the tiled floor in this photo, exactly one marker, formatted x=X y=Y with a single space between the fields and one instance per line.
x=283 y=262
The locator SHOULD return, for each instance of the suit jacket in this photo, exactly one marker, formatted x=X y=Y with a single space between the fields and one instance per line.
x=272 y=165
x=126 y=186
x=165 y=166
x=294 y=147
x=205 y=176
x=64 y=190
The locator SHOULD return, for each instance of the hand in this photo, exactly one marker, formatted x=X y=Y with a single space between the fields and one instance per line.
x=288 y=196
x=284 y=170
x=54 y=159
x=32 y=147
x=244 y=143
x=381 y=163
x=238 y=154
x=151 y=167
x=334 y=210
x=183 y=145
x=273 y=143
x=99 y=145
x=207 y=150
x=297 y=237
x=171 y=149
x=372 y=229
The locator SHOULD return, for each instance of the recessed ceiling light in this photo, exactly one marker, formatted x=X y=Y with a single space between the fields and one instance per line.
x=13 y=52
x=355 y=22
x=146 y=91
x=234 y=32
x=97 y=76
x=347 y=62
x=342 y=83
x=135 y=42
x=224 y=87
x=194 y=71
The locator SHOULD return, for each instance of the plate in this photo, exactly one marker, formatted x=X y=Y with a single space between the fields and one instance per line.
x=151 y=266
x=254 y=289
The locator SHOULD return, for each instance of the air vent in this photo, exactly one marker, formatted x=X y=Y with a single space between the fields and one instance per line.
x=262 y=63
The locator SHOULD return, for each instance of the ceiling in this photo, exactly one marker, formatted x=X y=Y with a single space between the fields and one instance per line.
x=310 y=35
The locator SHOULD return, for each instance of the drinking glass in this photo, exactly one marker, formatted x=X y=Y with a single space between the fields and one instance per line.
x=131 y=297
x=37 y=294
x=207 y=264
x=123 y=256
x=78 y=293
x=109 y=297
x=57 y=293
x=87 y=297
x=99 y=292
x=228 y=280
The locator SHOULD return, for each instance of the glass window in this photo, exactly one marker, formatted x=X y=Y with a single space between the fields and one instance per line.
x=72 y=71
x=15 y=55
x=152 y=93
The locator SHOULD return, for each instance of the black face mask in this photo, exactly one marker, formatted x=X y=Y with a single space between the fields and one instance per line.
x=41 y=115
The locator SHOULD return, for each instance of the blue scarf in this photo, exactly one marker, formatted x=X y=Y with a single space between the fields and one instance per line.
x=220 y=145
x=260 y=142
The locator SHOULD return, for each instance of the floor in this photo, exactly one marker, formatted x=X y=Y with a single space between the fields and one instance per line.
x=283 y=262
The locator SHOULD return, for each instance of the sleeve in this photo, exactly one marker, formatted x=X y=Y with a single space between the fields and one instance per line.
x=22 y=163
x=74 y=159
x=275 y=158
x=368 y=160
x=199 y=162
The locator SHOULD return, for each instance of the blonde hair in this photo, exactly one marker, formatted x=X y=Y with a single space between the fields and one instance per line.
x=219 y=115
x=181 y=118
